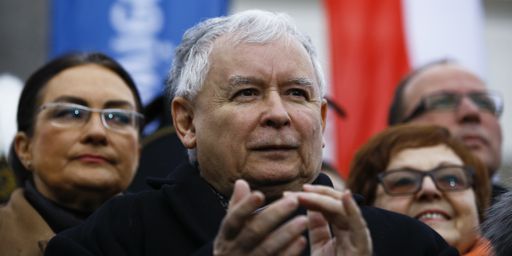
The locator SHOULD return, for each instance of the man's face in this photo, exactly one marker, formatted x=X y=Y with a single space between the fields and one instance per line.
x=259 y=117
x=478 y=129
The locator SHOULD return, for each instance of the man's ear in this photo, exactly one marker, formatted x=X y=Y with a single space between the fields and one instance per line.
x=22 y=147
x=182 y=119
x=323 y=111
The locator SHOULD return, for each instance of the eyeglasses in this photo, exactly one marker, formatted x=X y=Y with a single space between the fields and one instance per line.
x=408 y=181
x=63 y=114
x=488 y=101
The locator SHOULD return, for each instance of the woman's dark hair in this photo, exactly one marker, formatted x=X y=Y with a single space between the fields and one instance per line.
x=374 y=157
x=30 y=99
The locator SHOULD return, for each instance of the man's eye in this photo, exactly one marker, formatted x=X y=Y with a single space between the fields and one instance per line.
x=298 y=93
x=249 y=92
x=443 y=101
x=484 y=102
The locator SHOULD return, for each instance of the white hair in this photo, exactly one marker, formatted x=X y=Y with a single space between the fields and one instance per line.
x=191 y=65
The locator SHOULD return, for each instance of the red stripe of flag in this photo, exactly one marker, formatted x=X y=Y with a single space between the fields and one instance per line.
x=368 y=57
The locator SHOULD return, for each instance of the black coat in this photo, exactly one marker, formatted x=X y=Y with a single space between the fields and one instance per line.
x=183 y=216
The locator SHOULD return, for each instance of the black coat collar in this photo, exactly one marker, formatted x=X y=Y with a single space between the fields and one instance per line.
x=196 y=203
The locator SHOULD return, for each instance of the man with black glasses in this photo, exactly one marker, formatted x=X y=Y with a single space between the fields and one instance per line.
x=446 y=94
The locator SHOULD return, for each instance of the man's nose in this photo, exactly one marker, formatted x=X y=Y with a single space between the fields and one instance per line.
x=275 y=115
x=467 y=111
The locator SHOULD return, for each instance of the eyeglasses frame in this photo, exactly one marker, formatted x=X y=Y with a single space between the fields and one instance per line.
x=468 y=170
x=421 y=108
x=139 y=118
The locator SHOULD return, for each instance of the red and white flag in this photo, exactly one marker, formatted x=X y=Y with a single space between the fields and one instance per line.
x=374 y=43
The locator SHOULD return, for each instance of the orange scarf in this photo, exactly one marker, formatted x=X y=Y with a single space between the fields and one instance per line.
x=481 y=248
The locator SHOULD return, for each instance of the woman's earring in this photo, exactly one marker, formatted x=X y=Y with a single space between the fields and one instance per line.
x=29 y=165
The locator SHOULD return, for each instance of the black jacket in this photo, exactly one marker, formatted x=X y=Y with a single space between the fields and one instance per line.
x=183 y=216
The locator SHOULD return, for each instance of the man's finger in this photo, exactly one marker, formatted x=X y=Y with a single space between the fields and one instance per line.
x=295 y=248
x=318 y=229
x=286 y=240
x=360 y=238
x=326 y=204
x=239 y=213
x=266 y=221
x=241 y=190
x=323 y=190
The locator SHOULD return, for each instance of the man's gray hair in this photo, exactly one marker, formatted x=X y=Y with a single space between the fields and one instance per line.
x=191 y=65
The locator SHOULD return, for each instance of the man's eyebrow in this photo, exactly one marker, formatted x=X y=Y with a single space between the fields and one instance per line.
x=242 y=80
x=300 y=81
x=238 y=80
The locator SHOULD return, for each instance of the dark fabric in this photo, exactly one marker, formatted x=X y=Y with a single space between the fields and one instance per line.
x=497 y=191
x=57 y=217
x=182 y=218
x=161 y=152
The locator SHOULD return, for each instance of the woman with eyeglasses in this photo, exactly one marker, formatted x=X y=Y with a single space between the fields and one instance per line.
x=423 y=172
x=77 y=146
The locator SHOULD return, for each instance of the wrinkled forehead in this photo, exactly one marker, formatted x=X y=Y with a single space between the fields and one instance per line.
x=443 y=77
x=286 y=50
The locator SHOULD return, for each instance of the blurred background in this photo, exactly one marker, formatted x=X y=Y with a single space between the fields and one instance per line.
x=397 y=35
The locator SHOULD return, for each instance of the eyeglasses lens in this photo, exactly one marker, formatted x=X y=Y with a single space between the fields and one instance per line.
x=451 y=179
x=485 y=102
x=118 y=119
x=401 y=182
x=67 y=115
